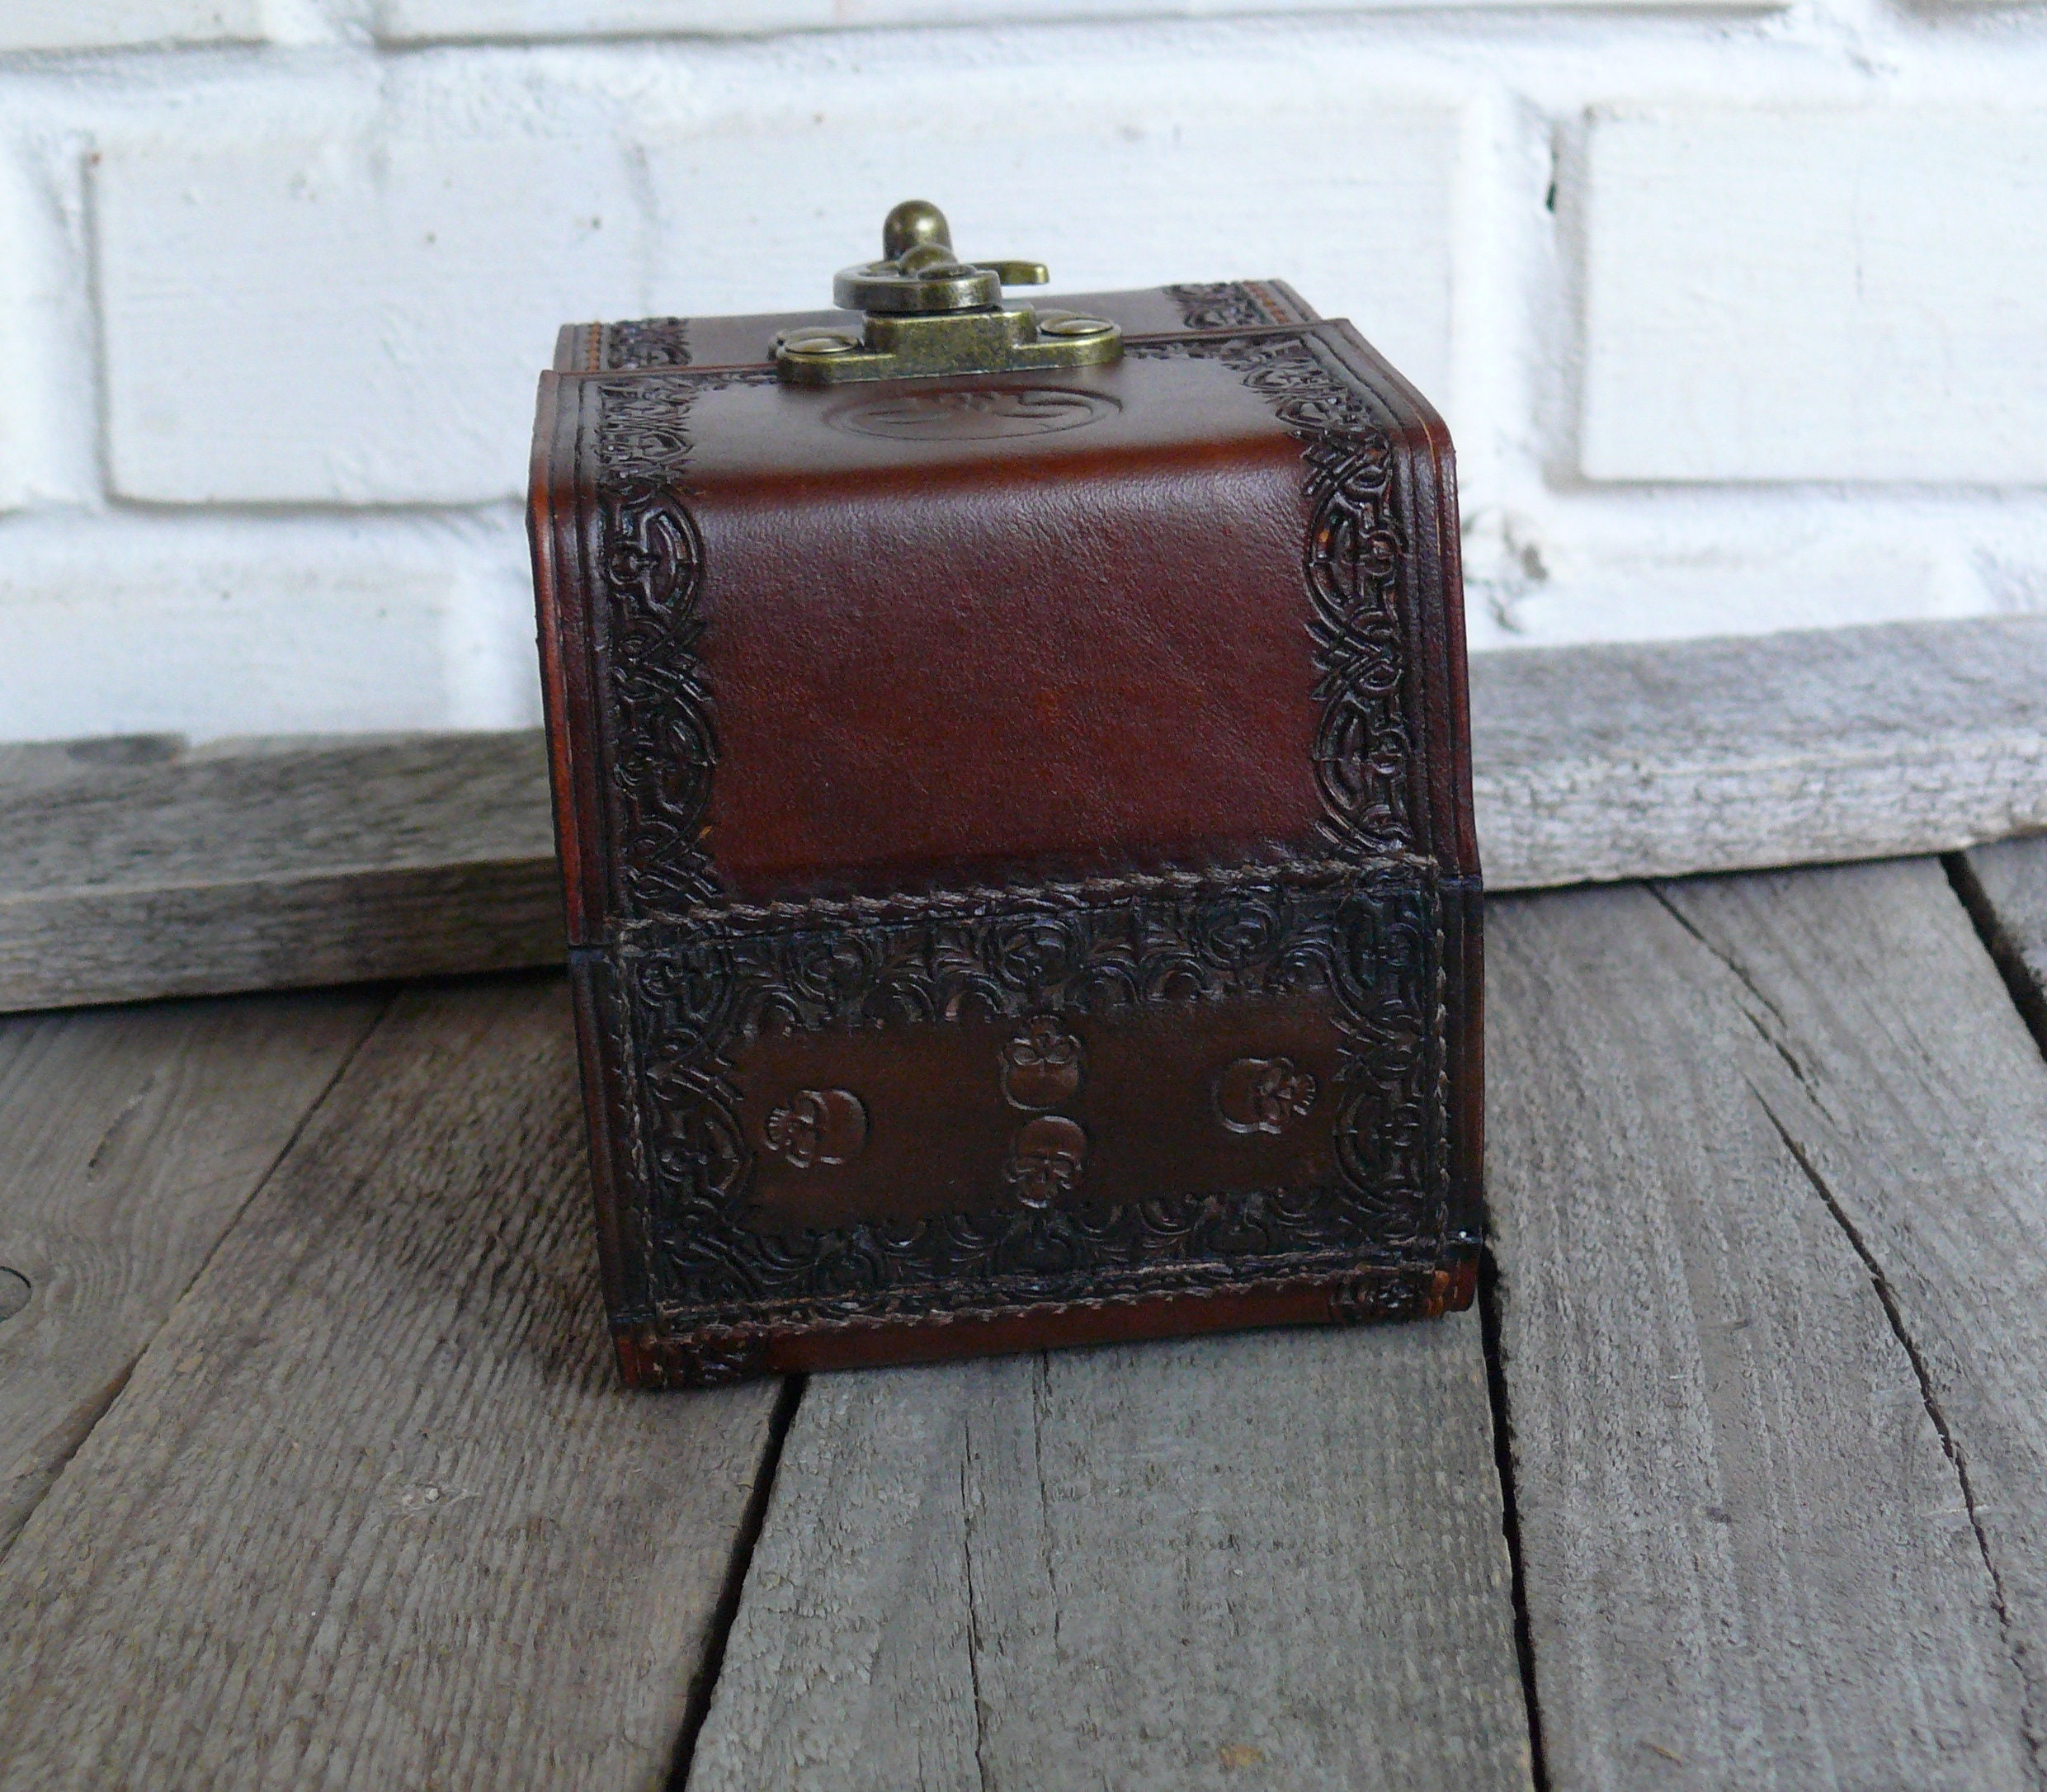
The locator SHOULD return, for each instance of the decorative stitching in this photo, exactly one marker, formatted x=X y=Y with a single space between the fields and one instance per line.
x=829 y=911
x=710 y=1355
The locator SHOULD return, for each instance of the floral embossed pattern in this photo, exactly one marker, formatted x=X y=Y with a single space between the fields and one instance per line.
x=1226 y=305
x=647 y=342
x=658 y=736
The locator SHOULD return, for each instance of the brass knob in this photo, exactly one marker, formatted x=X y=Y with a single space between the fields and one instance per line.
x=920 y=271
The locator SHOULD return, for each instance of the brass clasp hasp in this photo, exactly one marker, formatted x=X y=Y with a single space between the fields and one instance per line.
x=929 y=312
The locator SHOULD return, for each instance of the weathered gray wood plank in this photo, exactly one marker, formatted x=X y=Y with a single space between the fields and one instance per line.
x=1767 y=1165
x=1271 y=1560
x=141 y=867
x=1593 y=764
x=372 y=1510
x=130 y=869
x=2005 y=886
x=128 y=1141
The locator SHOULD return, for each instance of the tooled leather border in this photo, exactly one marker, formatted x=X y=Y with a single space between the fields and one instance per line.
x=667 y=1009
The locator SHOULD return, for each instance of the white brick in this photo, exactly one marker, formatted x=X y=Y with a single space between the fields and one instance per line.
x=431 y=21
x=1764 y=580
x=50 y=435
x=287 y=321
x=1815 y=294
x=237 y=643
x=477 y=21
x=116 y=24
x=1116 y=174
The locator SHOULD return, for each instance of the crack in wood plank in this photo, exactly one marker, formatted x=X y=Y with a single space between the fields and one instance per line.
x=1931 y=1401
x=1732 y=1524
x=1488 y=1304
x=704 y=1681
x=1274 y=1560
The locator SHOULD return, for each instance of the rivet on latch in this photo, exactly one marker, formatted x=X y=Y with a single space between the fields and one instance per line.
x=820 y=343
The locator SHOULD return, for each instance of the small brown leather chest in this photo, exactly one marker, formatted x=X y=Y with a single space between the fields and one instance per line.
x=1012 y=776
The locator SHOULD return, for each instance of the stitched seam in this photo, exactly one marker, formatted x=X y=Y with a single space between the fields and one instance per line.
x=1424 y=1281
x=1306 y=873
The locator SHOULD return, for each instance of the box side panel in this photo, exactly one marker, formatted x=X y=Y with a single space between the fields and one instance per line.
x=567 y=595
x=561 y=605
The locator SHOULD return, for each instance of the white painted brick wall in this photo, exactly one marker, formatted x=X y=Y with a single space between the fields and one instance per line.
x=534 y=20
x=344 y=323
x=119 y=24
x=1739 y=316
x=1814 y=293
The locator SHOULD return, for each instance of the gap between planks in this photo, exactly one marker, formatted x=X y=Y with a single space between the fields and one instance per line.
x=371 y=1508
x=1275 y=1559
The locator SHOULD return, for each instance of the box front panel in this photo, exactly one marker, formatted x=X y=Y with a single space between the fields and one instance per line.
x=1028 y=888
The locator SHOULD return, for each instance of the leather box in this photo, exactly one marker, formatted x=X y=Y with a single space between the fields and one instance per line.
x=1016 y=824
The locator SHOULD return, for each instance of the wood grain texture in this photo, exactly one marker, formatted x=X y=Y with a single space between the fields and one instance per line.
x=128 y=1141
x=1593 y=764
x=372 y=1510
x=2005 y=886
x=1274 y=1560
x=1767 y=1167
x=140 y=867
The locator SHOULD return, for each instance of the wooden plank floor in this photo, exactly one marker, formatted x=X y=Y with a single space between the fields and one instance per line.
x=317 y=1475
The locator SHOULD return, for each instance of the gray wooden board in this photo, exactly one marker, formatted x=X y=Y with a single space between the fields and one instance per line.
x=2005 y=885
x=1593 y=764
x=1272 y=1560
x=1767 y=1167
x=141 y=867
x=371 y=1510
x=144 y=867
x=129 y=1139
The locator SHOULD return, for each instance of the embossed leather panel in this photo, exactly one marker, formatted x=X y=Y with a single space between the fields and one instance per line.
x=924 y=1119
x=698 y=1027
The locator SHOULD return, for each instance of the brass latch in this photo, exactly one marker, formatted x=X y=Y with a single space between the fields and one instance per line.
x=928 y=312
